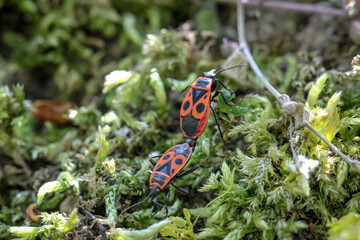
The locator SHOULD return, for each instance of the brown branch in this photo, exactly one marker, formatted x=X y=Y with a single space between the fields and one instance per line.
x=291 y=7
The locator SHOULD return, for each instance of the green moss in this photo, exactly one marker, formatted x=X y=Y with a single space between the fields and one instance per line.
x=249 y=187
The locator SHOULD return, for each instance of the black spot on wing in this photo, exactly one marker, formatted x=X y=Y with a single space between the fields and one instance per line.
x=200 y=107
x=178 y=161
x=186 y=105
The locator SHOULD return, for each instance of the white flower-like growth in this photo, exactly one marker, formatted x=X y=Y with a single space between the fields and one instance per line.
x=115 y=78
x=305 y=165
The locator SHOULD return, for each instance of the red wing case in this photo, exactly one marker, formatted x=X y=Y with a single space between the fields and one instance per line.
x=194 y=113
x=170 y=164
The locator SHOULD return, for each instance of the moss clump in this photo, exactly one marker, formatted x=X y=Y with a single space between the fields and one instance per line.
x=127 y=88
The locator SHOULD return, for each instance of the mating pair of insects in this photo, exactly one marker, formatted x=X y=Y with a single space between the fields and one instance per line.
x=194 y=115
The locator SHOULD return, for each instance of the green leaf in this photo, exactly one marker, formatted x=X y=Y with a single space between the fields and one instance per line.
x=211 y=183
x=260 y=223
x=187 y=217
x=178 y=221
x=51 y=203
x=19 y=93
x=169 y=231
x=348 y=220
x=65 y=181
x=24 y=231
x=158 y=86
x=181 y=85
x=129 y=25
x=227 y=179
x=53 y=186
x=297 y=184
x=121 y=234
x=110 y=205
x=102 y=152
x=342 y=172
x=316 y=90
x=71 y=223
x=333 y=118
x=236 y=110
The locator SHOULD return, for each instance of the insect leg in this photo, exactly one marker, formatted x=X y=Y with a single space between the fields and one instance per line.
x=189 y=171
x=217 y=122
x=159 y=204
x=185 y=88
x=228 y=89
x=179 y=188
x=166 y=202
x=152 y=161
x=135 y=205
x=214 y=96
x=226 y=102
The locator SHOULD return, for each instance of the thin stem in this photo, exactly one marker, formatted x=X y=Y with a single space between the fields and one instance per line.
x=292 y=7
x=291 y=141
x=244 y=49
x=354 y=164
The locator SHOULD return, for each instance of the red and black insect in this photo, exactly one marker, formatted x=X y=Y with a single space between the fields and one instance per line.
x=165 y=171
x=194 y=113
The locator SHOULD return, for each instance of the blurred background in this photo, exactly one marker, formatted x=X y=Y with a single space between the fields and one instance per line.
x=63 y=49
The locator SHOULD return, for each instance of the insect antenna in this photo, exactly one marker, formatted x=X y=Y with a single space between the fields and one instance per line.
x=222 y=70
x=136 y=204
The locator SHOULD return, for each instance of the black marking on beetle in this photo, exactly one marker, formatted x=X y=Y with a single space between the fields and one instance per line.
x=202 y=83
x=186 y=105
x=189 y=125
x=197 y=94
x=200 y=107
x=183 y=149
x=158 y=179
x=173 y=170
x=166 y=157
x=165 y=168
x=178 y=161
